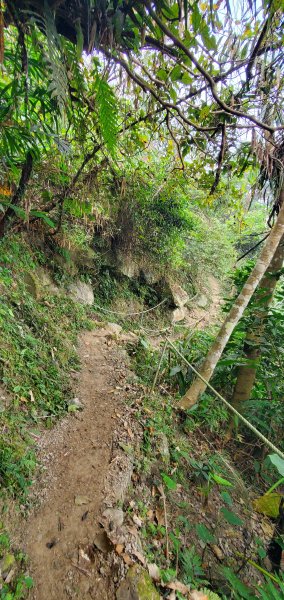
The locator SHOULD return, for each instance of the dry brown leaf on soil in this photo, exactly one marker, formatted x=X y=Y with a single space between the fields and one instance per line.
x=119 y=548
x=128 y=561
x=80 y=500
x=139 y=556
x=154 y=572
x=195 y=595
x=160 y=516
x=217 y=551
x=133 y=531
x=178 y=586
x=137 y=521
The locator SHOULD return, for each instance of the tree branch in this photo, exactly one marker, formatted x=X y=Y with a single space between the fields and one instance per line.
x=206 y=75
x=220 y=160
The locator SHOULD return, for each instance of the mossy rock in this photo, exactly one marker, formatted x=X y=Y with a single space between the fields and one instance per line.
x=32 y=285
x=6 y=563
x=137 y=585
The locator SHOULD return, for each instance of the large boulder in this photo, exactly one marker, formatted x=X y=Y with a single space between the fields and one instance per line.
x=39 y=283
x=179 y=296
x=82 y=292
x=137 y=586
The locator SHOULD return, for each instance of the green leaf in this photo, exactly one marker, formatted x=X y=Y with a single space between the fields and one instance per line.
x=29 y=582
x=277 y=462
x=196 y=17
x=162 y=74
x=204 y=534
x=231 y=517
x=221 y=480
x=226 y=498
x=176 y=73
x=170 y=483
x=43 y=216
x=237 y=585
x=175 y=370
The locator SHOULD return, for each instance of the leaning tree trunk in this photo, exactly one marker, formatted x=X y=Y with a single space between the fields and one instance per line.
x=252 y=347
x=237 y=310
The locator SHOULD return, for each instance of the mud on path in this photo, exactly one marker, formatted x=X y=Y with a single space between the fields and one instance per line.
x=76 y=454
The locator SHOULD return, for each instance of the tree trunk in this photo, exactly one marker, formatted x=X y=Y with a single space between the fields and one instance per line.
x=237 y=310
x=252 y=347
x=24 y=179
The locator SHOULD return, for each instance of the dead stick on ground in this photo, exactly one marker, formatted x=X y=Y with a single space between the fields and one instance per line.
x=84 y=571
x=161 y=490
x=159 y=366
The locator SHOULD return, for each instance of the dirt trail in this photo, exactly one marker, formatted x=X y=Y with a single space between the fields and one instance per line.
x=76 y=454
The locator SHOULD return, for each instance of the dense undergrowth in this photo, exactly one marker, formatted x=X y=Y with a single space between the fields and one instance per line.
x=197 y=515
x=37 y=353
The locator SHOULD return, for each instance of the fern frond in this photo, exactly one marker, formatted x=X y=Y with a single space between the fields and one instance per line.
x=59 y=81
x=108 y=113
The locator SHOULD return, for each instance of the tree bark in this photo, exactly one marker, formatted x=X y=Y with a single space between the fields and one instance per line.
x=237 y=310
x=25 y=177
x=252 y=347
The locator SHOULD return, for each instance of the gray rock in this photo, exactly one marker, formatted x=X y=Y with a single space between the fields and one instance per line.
x=76 y=403
x=102 y=542
x=150 y=275
x=129 y=337
x=82 y=292
x=137 y=586
x=114 y=516
x=179 y=314
x=113 y=329
x=163 y=446
x=179 y=296
x=202 y=301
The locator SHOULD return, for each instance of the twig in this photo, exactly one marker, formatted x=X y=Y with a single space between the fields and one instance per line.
x=84 y=571
x=141 y=312
x=161 y=490
x=254 y=247
x=159 y=367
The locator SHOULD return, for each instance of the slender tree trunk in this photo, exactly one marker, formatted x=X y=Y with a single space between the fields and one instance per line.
x=15 y=200
x=237 y=310
x=252 y=347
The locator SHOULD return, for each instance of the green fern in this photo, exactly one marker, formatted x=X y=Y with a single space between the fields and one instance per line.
x=59 y=82
x=107 y=111
x=58 y=85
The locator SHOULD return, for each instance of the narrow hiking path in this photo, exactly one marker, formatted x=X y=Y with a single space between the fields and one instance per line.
x=58 y=534
x=76 y=453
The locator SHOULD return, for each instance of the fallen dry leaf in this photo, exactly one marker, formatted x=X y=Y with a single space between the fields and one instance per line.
x=137 y=521
x=160 y=516
x=80 y=500
x=139 y=556
x=178 y=586
x=154 y=572
x=119 y=548
x=195 y=595
x=128 y=561
x=217 y=551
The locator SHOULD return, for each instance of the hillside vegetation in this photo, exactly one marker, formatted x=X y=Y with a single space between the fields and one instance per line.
x=142 y=200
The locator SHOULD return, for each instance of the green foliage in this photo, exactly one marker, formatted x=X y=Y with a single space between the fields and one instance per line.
x=21 y=582
x=192 y=571
x=108 y=113
x=36 y=355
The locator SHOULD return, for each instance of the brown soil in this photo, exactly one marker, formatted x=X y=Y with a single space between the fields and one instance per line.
x=76 y=454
